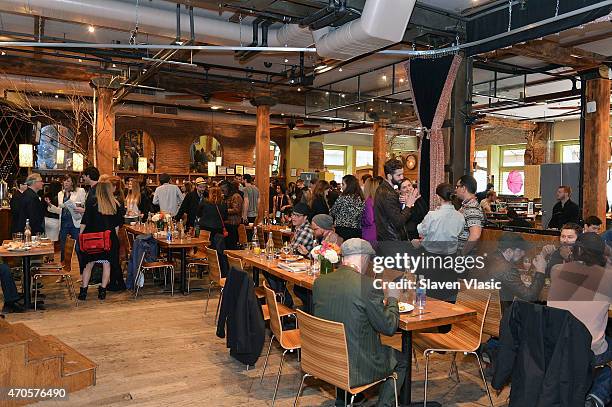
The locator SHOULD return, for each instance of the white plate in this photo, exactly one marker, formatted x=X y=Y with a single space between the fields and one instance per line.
x=405 y=307
x=20 y=249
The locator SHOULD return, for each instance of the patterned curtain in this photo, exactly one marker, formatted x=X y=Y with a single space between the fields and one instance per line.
x=431 y=84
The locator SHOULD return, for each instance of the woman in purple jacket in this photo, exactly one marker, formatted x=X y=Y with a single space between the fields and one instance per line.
x=368 y=224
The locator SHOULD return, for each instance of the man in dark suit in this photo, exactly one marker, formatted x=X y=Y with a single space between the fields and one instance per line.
x=16 y=202
x=349 y=296
x=31 y=206
x=564 y=211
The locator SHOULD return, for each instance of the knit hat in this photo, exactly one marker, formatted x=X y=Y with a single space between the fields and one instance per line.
x=324 y=221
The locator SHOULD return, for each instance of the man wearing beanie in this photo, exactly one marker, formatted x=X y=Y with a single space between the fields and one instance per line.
x=323 y=229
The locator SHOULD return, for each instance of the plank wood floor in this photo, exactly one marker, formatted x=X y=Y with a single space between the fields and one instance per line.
x=160 y=350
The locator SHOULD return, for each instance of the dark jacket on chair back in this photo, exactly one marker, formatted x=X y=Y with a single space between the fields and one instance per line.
x=241 y=313
x=547 y=351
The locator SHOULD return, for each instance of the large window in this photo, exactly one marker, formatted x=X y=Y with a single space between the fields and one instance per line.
x=364 y=158
x=481 y=172
x=570 y=153
x=334 y=159
x=511 y=168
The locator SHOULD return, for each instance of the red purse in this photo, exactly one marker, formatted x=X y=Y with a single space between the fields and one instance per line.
x=225 y=232
x=95 y=243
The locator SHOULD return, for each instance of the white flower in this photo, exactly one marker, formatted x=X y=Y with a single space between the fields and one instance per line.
x=155 y=217
x=168 y=217
x=315 y=251
x=332 y=256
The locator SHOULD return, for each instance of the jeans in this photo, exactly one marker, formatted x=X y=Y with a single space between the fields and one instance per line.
x=602 y=385
x=9 y=290
x=74 y=233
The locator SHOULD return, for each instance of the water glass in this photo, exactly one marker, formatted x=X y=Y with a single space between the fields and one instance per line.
x=18 y=237
x=315 y=268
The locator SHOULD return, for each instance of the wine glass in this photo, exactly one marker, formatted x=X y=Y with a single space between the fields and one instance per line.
x=286 y=249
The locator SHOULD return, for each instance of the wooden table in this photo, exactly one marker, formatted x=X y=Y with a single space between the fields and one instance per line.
x=436 y=313
x=26 y=256
x=271 y=266
x=178 y=244
x=285 y=230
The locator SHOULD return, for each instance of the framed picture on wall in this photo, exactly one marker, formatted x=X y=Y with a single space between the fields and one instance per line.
x=221 y=170
x=239 y=169
x=294 y=172
x=249 y=170
x=231 y=171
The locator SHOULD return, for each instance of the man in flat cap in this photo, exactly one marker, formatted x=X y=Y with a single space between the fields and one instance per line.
x=192 y=202
x=349 y=296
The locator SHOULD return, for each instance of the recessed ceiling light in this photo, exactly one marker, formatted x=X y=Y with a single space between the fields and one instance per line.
x=371 y=110
x=395 y=112
x=371 y=100
x=286 y=60
x=91 y=28
x=387 y=101
x=299 y=89
x=80 y=60
x=358 y=108
x=3 y=53
x=343 y=95
x=292 y=81
x=326 y=93
x=40 y=91
x=114 y=65
x=144 y=71
x=215 y=107
x=282 y=114
x=401 y=103
x=340 y=70
x=56 y=96
x=401 y=80
x=384 y=77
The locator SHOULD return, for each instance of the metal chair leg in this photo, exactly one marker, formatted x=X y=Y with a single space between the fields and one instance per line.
x=266 y=361
x=35 y=292
x=172 y=281
x=280 y=370
x=219 y=305
x=188 y=278
x=297 y=396
x=352 y=399
x=426 y=377
x=395 y=390
x=208 y=299
x=484 y=380
x=454 y=370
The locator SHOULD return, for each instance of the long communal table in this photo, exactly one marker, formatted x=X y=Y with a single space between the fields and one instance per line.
x=436 y=313
x=178 y=244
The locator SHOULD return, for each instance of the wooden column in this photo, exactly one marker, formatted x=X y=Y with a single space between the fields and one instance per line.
x=596 y=147
x=105 y=131
x=262 y=151
x=472 y=152
x=379 y=144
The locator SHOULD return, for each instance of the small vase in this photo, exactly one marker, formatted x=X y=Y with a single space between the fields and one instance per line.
x=160 y=225
x=326 y=266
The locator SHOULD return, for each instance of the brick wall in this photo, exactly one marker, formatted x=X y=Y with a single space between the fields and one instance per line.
x=173 y=139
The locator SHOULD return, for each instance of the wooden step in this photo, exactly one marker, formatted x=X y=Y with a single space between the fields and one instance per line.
x=74 y=362
x=38 y=348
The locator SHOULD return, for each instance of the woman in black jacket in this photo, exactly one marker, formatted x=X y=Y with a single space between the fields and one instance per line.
x=419 y=210
x=212 y=212
x=318 y=200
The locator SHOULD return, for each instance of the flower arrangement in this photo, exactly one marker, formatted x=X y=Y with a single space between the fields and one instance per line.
x=160 y=219
x=328 y=254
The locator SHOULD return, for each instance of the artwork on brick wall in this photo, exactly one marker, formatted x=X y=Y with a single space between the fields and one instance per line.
x=275 y=158
x=134 y=144
x=203 y=150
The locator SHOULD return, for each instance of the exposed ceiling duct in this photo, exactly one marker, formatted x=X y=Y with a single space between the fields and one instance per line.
x=382 y=23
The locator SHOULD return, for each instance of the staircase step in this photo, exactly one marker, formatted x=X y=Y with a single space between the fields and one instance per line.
x=38 y=348
x=74 y=362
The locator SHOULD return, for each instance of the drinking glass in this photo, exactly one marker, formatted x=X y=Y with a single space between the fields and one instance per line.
x=18 y=237
x=315 y=268
x=286 y=249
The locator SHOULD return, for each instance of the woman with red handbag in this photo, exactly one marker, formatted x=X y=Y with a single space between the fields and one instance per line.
x=98 y=237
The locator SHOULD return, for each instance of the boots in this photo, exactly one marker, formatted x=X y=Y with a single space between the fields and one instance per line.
x=82 y=294
x=101 y=293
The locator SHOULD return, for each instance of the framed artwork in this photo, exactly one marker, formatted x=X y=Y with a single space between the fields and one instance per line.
x=221 y=170
x=294 y=172
x=249 y=170
x=239 y=169
x=231 y=171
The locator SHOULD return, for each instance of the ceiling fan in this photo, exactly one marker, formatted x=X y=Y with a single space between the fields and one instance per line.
x=292 y=123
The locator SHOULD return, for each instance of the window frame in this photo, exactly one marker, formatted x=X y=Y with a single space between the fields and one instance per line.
x=502 y=168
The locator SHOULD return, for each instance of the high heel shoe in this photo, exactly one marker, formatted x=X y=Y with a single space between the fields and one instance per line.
x=82 y=294
x=101 y=293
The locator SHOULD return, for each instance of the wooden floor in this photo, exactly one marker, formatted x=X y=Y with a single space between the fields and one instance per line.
x=160 y=351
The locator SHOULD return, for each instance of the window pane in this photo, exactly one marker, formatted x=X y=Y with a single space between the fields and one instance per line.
x=338 y=174
x=481 y=158
x=481 y=179
x=364 y=158
x=519 y=181
x=513 y=158
x=571 y=154
x=333 y=157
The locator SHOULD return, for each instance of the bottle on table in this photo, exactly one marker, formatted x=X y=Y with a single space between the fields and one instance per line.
x=181 y=229
x=265 y=218
x=255 y=243
x=169 y=233
x=27 y=233
x=421 y=293
x=196 y=229
x=270 y=247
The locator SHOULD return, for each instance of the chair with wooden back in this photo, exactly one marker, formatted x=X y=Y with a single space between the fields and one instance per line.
x=143 y=267
x=242 y=235
x=62 y=270
x=196 y=262
x=277 y=238
x=289 y=340
x=214 y=274
x=324 y=355
x=494 y=316
x=464 y=336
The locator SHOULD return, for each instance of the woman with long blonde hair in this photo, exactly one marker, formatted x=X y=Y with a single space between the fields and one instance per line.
x=105 y=215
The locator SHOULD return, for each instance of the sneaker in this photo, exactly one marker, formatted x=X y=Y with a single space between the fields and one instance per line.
x=12 y=307
x=593 y=401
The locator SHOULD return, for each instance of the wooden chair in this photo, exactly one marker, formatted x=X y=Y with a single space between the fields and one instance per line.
x=242 y=235
x=464 y=337
x=277 y=238
x=214 y=273
x=494 y=316
x=62 y=270
x=197 y=260
x=261 y=235
x=289 y=340
x=144 y=266
x=324 y=355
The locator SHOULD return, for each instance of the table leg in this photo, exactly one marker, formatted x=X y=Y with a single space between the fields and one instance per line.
x=406 y=393
x=26 y=283
x=184 y=271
